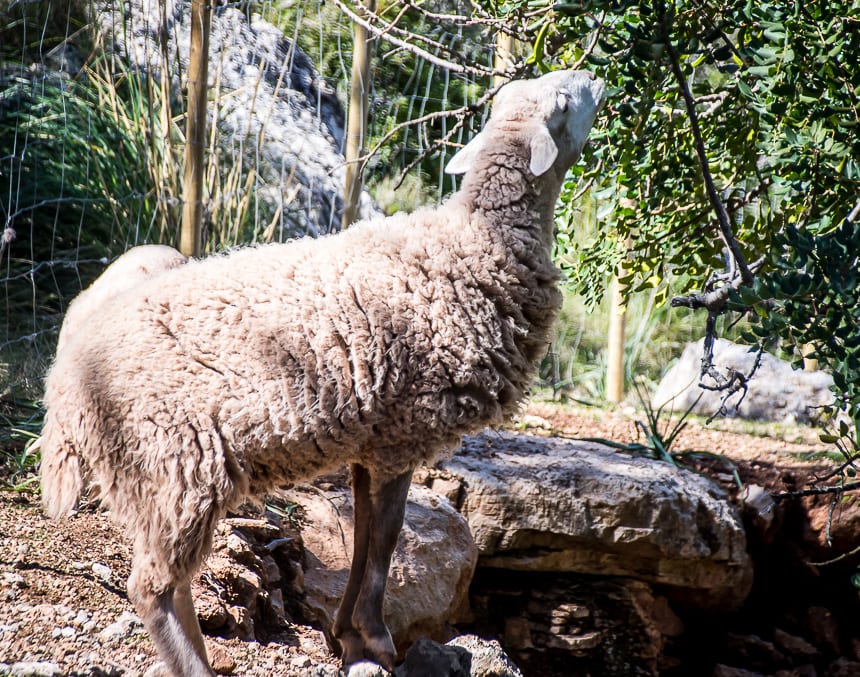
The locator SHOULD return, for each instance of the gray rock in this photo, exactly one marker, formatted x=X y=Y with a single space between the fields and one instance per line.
x=123 y=627
x=546 y=504
x=488 y=659
x=274 y=112
x=776 y=391
x=426 y=658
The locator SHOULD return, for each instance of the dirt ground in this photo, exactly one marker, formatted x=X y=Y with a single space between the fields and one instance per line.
x=62 y=585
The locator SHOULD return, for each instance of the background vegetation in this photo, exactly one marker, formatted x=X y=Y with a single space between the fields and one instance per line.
x=762 y=95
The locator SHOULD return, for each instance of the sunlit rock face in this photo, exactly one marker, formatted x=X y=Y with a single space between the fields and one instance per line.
x=272 y=110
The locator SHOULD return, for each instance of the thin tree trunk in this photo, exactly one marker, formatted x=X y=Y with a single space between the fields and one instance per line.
x=504 y=57
x=190 y=240
x=615 y=347
x=356 y=127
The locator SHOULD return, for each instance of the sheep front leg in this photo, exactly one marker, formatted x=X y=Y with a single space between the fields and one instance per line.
x=352 y=646
x=387 y=508
x=179 y=651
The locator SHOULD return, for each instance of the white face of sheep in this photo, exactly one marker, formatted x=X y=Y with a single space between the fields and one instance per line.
x=555 y=110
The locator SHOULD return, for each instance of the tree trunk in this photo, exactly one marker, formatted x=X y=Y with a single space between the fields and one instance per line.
x=356 y=127
x=190 y=240
x=615 y=347
x=504 y=57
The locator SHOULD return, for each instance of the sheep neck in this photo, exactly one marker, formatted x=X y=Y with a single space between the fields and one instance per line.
x=509 y=198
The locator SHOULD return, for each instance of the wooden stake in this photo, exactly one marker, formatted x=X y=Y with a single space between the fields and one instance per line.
x=615 y=346
x=356 y=126
x=190 y=239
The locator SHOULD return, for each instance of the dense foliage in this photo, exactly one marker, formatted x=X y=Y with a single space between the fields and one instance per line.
x=775 y=98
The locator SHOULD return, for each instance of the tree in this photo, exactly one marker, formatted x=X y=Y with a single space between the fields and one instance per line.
x=730 y=145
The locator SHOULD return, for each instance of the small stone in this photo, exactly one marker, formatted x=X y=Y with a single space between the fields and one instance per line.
x=220 y=661
x=300 y=662
x=13 y=580
x=729 y=671
x=577 y=644
x=793 y=645
x=34 y=669
x=122 y=627
x=103 y=571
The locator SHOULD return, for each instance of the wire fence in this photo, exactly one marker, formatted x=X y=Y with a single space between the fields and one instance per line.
x=92 y=116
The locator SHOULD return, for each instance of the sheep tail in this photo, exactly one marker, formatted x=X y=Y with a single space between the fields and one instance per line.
x=62 y=475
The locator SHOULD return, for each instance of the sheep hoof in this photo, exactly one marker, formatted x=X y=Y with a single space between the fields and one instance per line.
x=351 y=648
x=381 y=649
x=365 y=668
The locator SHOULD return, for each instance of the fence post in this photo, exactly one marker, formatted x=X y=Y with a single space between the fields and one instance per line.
x=356 y=127
x=503 y=59
x=190 y=239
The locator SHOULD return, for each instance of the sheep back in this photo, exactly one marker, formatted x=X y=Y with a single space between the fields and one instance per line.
x=381 y=345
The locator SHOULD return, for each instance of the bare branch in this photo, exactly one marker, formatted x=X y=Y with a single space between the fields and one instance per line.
x=714 y=300
x=717 y=204
x=817 y=491
x=385 y=34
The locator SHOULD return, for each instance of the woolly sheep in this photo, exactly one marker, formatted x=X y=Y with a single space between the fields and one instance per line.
x=136 y=265
x=378 y=347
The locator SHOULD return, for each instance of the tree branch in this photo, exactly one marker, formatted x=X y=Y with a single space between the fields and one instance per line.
x=717 y=204
x=385 y=34
x=817 y=491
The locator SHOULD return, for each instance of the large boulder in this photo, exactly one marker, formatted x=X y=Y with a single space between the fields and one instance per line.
x=431 y=569
x=554 y=505
x=776 y=392
x=273 y=111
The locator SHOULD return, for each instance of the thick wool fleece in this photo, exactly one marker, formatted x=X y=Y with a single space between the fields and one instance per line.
x=135 y=266
x=381 y=345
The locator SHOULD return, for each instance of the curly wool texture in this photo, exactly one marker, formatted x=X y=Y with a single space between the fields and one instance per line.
x=381 y=345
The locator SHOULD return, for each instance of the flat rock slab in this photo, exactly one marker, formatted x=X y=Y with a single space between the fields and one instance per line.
x=550 y=504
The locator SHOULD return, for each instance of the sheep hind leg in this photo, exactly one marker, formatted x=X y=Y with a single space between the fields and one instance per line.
x=351 y=643
x=184 y=603
x=387 y=509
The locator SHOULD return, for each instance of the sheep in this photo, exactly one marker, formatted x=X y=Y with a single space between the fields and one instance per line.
x=136 y=265
x=377 y=348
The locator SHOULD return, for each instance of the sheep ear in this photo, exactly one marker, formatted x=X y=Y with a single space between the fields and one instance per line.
x=544 y=151
x=465 y=157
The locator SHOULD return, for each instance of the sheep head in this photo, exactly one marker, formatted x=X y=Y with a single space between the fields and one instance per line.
x=556 y=111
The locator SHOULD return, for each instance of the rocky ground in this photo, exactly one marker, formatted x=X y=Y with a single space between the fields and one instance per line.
x=63 y=607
